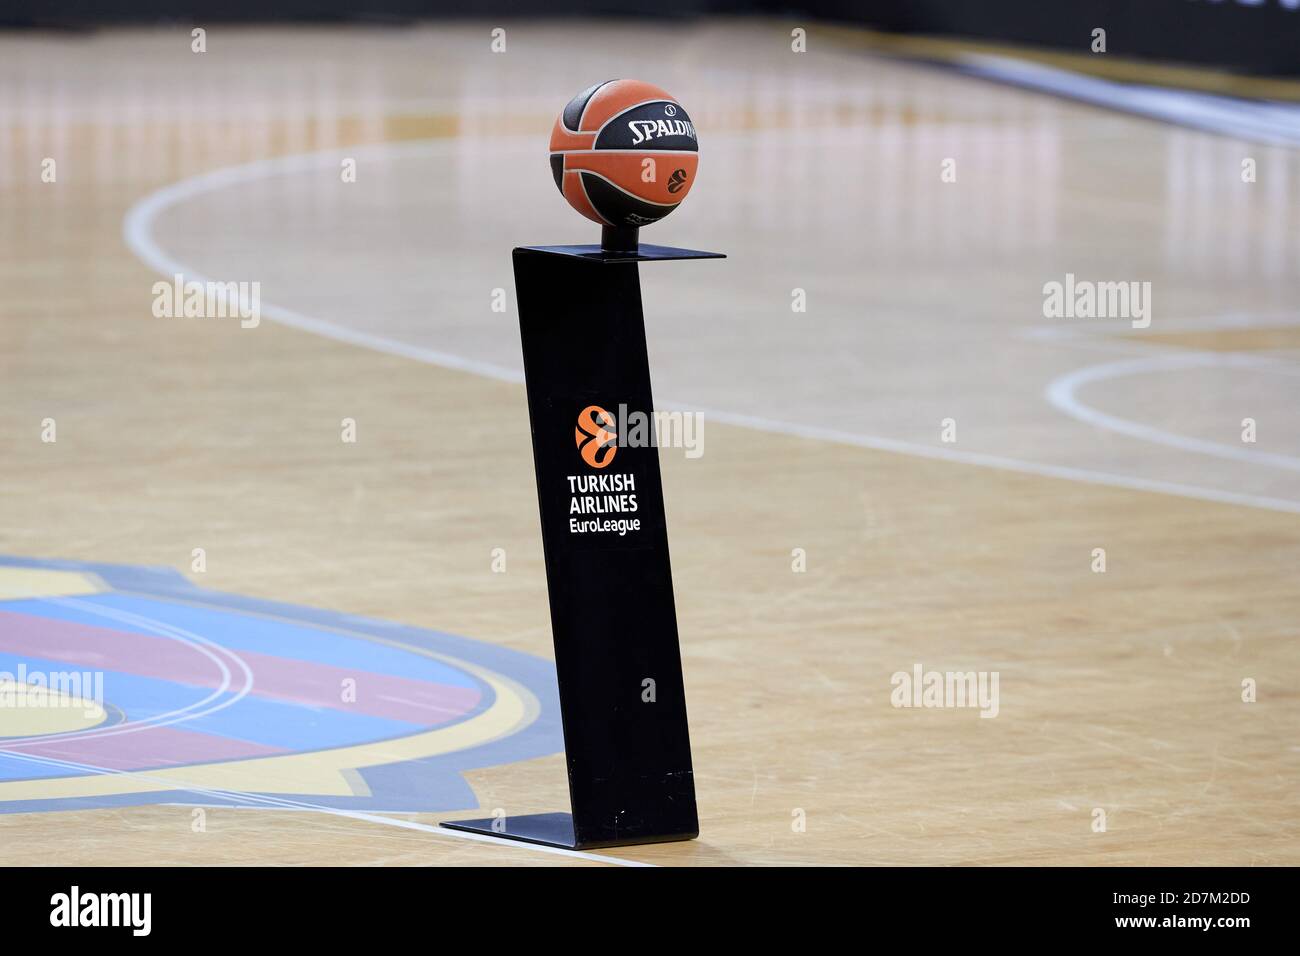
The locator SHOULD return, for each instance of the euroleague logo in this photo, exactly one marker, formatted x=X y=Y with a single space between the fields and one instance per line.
x=595 y=436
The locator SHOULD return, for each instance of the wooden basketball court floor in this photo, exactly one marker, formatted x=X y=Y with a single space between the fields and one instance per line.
x=1121 y=692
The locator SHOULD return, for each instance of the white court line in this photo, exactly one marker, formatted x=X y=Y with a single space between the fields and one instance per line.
x=1270 y=122
x=180 y=715
x=137 y=231
x=1060 y=393
x=265 y=801
x=1067 y=472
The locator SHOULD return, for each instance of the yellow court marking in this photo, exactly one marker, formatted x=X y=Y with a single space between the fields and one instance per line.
x=19 y=583
x=1256 y=339
x=33 y=710
x=1203 y=79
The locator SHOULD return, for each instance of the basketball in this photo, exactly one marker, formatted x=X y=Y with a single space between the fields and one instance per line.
x=624 y=153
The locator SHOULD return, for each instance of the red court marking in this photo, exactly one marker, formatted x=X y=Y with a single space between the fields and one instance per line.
x=305 y=683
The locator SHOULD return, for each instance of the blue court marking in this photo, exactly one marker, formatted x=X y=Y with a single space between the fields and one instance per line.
x=15 y=768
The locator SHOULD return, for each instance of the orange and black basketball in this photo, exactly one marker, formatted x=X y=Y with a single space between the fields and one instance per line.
x=624 y=153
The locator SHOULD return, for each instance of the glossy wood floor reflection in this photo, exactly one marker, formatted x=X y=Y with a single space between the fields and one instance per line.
x=1120 y=692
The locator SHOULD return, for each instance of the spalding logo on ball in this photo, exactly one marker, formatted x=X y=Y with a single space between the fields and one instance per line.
x=624 y=153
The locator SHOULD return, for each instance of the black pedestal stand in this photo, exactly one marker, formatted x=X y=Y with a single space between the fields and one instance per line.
x=614 y=625
x=619 y=238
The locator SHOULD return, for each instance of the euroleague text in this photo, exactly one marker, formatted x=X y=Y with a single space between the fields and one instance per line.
x=602 y=495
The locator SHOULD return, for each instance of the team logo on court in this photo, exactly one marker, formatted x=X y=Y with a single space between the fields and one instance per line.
x=595 y=436
x=138 y=687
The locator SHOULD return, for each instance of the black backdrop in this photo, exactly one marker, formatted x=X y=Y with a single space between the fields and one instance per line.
x=1252 y=36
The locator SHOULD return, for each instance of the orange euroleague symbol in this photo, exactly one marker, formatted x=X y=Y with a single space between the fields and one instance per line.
x=595 y=436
